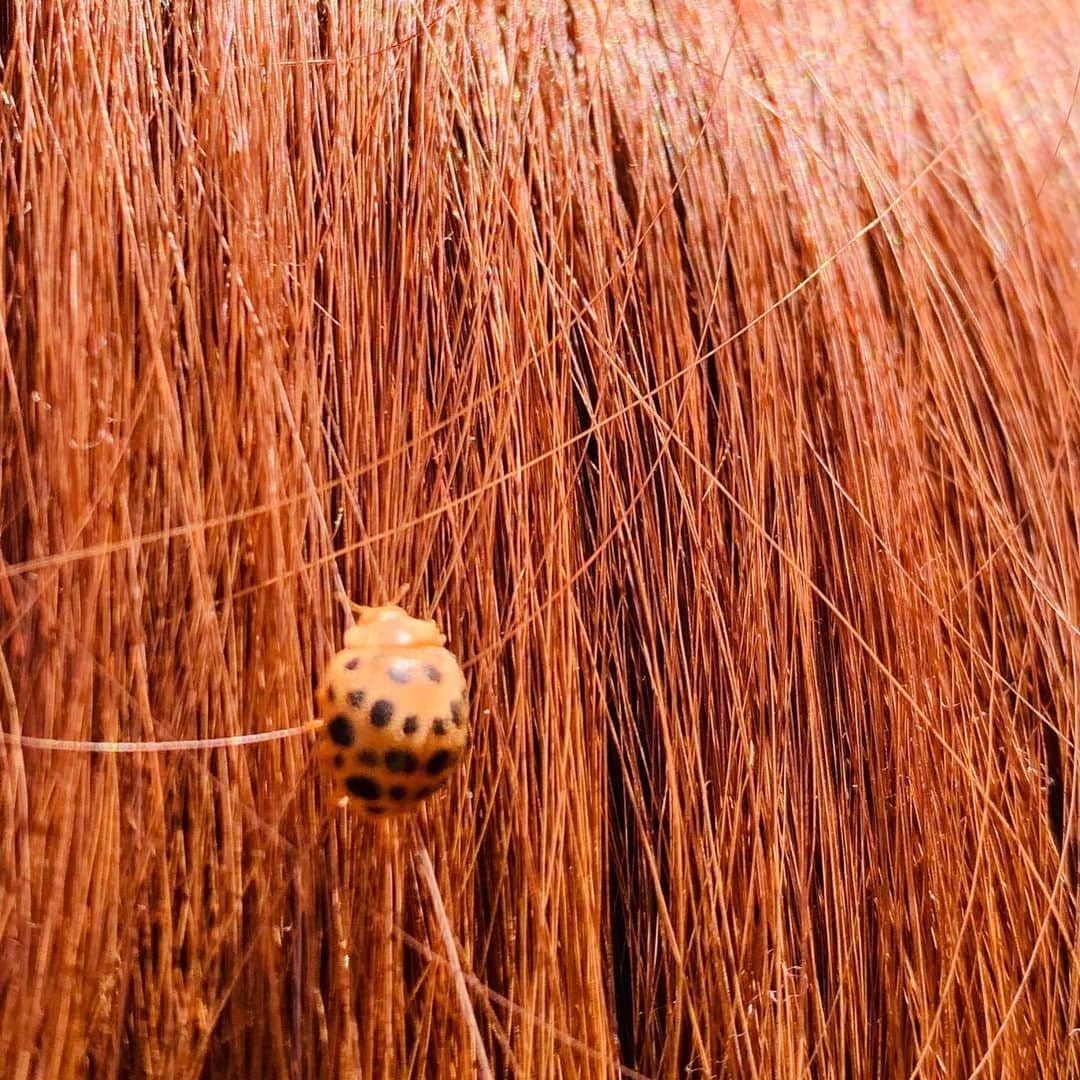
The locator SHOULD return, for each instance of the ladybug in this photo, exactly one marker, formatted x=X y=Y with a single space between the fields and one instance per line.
x=394 y=712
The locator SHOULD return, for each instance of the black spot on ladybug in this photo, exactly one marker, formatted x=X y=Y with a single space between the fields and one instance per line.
x=339 y=761
x=367 y=757
x=382 y=712
x=433 y=673
x=457 y=711
x=400 y=761
x=410 y=725
x=440 y=760
x=353 y=663
x=439 y=727
x=341 y=730
x=401 y=671
x=397 y=792
x=363 y=787
x=356 y=698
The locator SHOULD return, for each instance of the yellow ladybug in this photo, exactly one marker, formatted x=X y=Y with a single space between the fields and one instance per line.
x=395 y=711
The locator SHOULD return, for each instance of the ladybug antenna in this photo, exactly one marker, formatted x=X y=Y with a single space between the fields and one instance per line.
x=352 y=608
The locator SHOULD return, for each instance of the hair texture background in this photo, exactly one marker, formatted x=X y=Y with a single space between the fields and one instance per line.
x=708 y=373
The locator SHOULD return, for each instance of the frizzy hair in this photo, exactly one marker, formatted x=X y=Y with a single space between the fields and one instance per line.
x=709 y=372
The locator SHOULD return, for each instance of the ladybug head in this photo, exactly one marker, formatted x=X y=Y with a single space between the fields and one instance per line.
x=389 y=625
